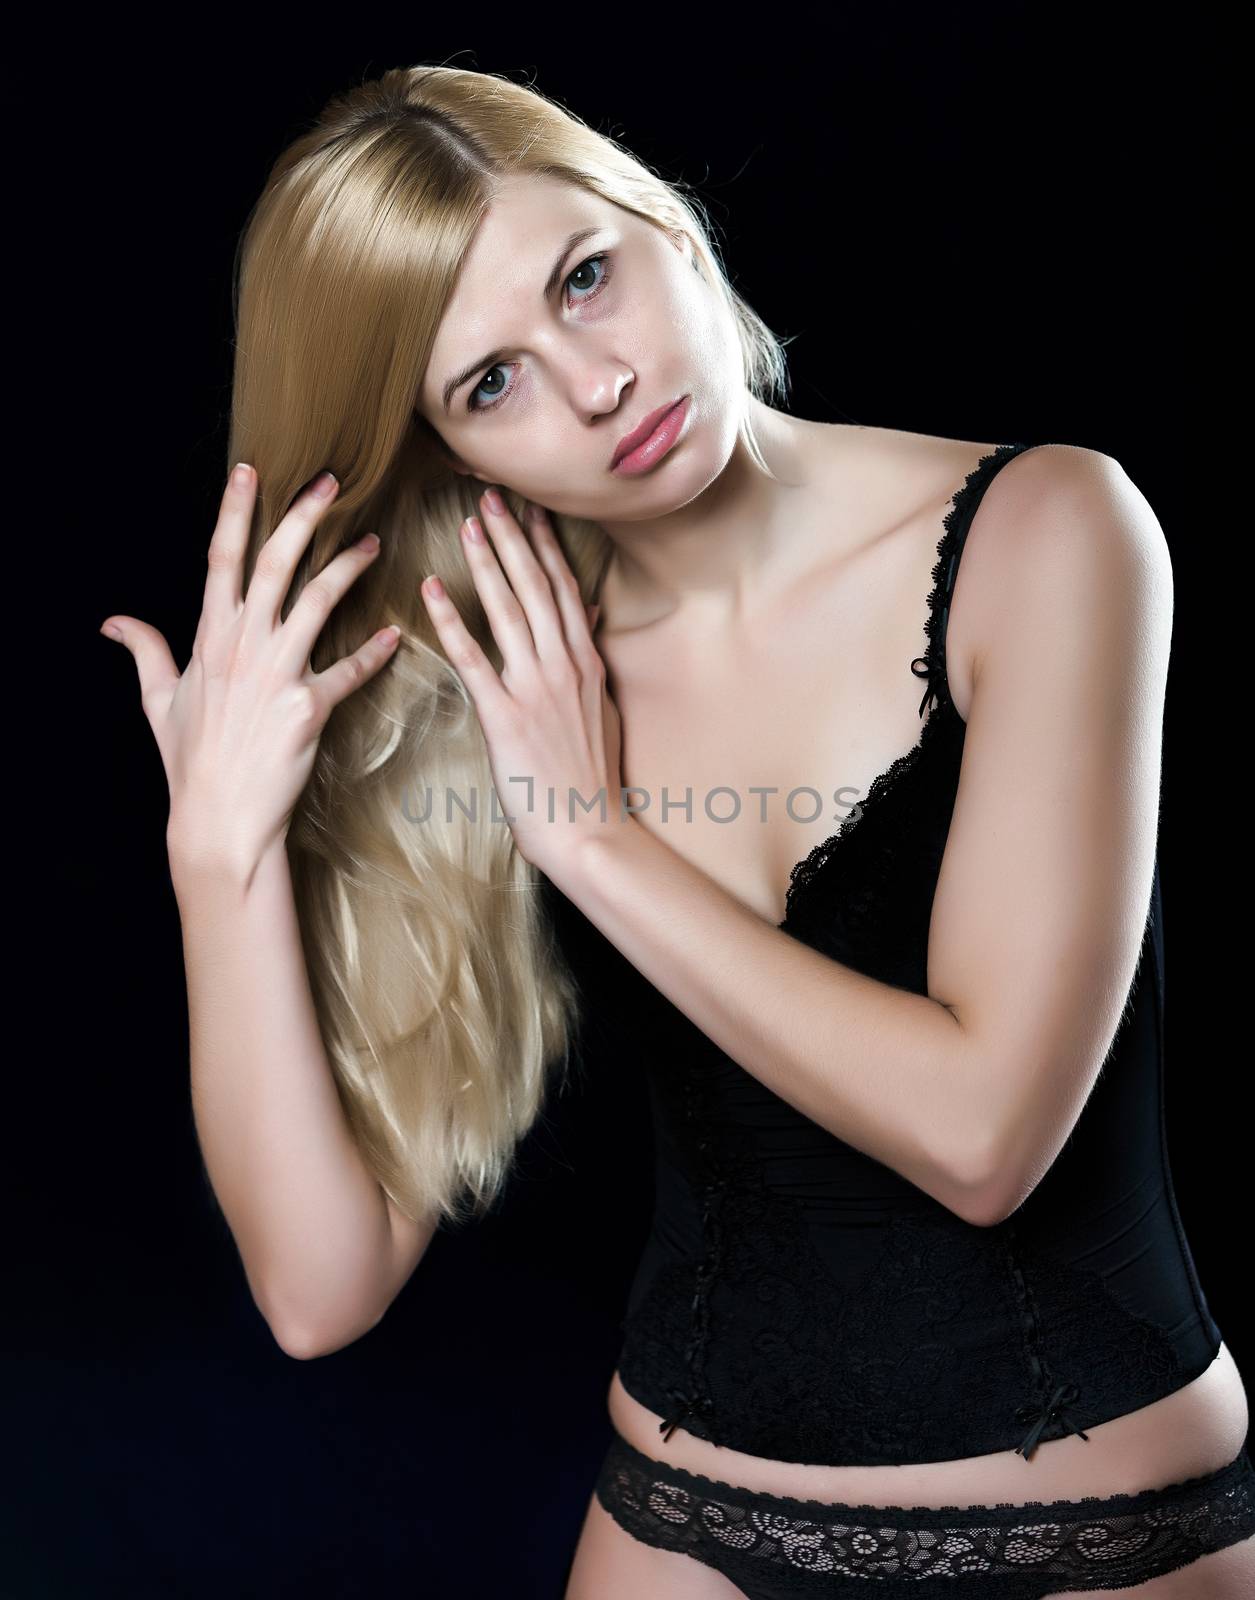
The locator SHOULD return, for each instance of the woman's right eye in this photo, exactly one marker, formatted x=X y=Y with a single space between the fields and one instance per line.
x=472 y=404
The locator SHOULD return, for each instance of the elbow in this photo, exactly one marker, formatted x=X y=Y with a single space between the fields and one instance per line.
x=304 y=1337
x=996 y=1192
x=306 y=1344
x=984 y=1194
x=981 y=1205
x=298 y=1346
x=295 y=1339
x=295 y=1336
x=993 y=1174
x=986 y=1209
x=305 y=1332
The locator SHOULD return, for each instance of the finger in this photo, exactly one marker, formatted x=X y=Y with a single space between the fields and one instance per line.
x=510 y=625
x=528 y=580
x=490 y=695
x=277 y=559
x=565 y=586
x=351 y=672
x=224 y=587
x=156 y=667
x=319 y=598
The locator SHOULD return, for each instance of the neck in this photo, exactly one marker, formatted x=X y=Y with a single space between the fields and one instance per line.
x=711 y=556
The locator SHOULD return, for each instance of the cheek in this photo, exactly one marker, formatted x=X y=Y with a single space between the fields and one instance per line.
x=712 y=347
x=697 y=320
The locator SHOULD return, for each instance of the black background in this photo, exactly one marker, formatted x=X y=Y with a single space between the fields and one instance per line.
x=985 y=223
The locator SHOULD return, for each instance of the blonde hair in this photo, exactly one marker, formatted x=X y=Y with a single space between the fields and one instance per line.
x=442 y=998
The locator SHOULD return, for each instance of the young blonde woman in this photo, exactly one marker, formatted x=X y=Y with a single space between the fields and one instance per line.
x=917 y=1302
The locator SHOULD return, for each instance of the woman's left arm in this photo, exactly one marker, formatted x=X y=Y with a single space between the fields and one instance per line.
x=1040 y=908
x=1044 y=887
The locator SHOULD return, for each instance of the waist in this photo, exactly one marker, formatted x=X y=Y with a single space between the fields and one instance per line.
x=1196 y=1429
x=913 y=1340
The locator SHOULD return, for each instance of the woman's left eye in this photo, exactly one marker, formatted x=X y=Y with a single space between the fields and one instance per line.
x=603 y=277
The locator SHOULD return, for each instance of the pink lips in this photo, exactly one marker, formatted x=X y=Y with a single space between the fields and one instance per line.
x=652 y=439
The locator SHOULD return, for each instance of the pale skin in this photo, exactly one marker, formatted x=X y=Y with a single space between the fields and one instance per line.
x=640 y=885
x=715 y=612
x=728 y=594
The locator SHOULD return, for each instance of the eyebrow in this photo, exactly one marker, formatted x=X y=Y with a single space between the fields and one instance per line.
x=493 y=356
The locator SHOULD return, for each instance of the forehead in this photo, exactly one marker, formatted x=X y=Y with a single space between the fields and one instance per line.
x=525 y=225
x=524 y=199
x=524 y=210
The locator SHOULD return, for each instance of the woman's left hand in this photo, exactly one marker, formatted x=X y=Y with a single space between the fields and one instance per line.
x=549 y=722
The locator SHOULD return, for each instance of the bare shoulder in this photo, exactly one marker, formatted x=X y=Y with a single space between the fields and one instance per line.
x=922 y=461
x=1054 y=507
x=905 y=483
x=1056 y=515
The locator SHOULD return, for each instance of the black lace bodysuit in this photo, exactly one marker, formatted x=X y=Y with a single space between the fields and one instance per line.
x=801 y=1301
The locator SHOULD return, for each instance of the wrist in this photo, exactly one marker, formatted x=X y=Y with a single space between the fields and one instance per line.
x=601 y=843
x=200 y=855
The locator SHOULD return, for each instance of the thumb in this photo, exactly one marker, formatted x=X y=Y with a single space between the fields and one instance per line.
x=153 y=661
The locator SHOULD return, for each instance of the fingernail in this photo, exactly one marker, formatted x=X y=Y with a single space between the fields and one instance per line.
x=111 y=630
x=494 y=502
x=324 y=483
x=239 y=474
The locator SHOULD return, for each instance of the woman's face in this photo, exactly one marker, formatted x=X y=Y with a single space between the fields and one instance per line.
x=628 y=326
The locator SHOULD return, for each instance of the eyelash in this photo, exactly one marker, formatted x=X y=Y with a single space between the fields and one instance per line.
x=606 y=274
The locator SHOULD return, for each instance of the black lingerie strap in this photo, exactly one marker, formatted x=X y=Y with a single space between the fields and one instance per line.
x=1039 y=1416
x=956 y=523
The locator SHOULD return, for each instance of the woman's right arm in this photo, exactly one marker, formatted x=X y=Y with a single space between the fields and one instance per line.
x=323 y=1248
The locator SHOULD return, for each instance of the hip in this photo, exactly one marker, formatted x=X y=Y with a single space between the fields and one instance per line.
x=1190 y=1538
x=1193 y=1431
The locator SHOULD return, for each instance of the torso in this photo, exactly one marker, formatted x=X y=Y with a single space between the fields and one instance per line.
x=817 y=694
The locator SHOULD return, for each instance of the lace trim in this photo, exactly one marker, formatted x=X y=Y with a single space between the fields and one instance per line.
x=814 y=864
x=1097 y=1542
x=930 y=665
x=949 y=548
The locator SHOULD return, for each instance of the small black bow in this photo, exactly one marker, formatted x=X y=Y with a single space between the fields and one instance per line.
x=1064 y=1395
x=689 y=1406
x=921 y=662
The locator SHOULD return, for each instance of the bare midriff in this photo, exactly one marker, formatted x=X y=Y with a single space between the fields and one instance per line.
x=1193 y=1431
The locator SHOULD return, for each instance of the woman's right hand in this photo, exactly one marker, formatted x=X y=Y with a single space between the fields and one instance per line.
x=239 y=728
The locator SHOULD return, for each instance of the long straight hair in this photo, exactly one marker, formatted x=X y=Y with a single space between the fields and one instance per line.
x=441 y=994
